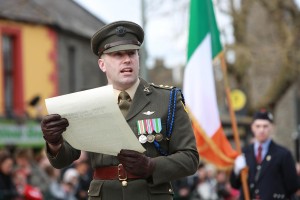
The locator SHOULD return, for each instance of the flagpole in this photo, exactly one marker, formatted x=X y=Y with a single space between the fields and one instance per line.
x=244 y=172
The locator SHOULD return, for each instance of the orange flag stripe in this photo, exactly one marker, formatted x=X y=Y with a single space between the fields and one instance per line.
x=216 y=150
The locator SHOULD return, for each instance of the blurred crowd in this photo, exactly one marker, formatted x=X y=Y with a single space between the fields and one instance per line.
x=208 y=183
x=26 y=174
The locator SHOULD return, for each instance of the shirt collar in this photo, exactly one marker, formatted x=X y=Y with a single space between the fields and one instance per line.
x=265 y=145
x=131 y=91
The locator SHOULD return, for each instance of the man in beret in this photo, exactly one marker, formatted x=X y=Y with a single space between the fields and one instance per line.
x=156 y=115
x=272 y=172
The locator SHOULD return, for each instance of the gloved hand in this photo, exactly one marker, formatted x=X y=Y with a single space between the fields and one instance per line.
x=239 y=164
x=52 y=127
x=136 y=163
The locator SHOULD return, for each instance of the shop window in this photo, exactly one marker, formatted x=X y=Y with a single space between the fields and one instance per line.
x=13 y=103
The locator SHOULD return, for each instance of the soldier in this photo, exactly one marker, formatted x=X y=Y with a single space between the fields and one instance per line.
x=168 y=139
x=272 y=172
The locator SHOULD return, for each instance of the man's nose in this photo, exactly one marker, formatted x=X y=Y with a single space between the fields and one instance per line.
x=126 y=57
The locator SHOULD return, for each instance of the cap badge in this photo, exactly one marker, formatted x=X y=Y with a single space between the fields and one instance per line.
x=120 y=31
x=270 y=116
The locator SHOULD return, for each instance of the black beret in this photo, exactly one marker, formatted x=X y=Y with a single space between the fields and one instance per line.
x=263 y=114
x=117 y=36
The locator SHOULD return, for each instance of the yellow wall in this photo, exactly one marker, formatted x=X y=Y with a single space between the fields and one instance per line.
x=39 y=63
x=1 y=81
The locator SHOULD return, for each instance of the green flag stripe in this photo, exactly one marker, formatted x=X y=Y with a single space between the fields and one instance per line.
x=202 y=22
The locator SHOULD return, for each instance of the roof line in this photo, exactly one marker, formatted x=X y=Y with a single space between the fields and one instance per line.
x=85 y=10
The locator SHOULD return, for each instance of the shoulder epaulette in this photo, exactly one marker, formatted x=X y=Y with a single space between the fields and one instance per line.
x=162 y=86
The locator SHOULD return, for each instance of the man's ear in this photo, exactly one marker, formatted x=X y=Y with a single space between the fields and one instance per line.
x=101 y=65
x=252 y=127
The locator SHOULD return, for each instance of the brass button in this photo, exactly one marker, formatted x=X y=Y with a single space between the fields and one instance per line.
x=124 y=183
x=170 y=190
x=258 y=167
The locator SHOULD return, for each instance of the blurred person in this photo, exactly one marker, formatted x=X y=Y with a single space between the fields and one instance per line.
x=206 y=186
x=35 y=175
x=169 y=155
x=224 y=189
x=25 y=190
x=71 y=176
x=60 y=190
x=8 y=189
x=84 y=179
x=71 y=183
x=272 y=173
x=82 y=158
x=184 y=187
x=55 y=190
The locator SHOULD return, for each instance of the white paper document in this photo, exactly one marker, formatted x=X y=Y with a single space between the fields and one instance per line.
x=96 y=123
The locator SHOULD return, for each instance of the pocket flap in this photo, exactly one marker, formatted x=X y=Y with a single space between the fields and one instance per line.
x=161 y=189
x=95 y=188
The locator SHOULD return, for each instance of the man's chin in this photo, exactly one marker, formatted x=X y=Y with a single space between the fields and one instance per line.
x=127 y=82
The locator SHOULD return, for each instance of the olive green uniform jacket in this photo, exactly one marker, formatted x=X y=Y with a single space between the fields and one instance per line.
x=182 y=160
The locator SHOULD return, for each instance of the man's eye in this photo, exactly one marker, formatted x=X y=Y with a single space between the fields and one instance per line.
x=131 y=53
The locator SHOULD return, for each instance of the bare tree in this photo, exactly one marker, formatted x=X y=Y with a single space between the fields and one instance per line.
x=284 y=19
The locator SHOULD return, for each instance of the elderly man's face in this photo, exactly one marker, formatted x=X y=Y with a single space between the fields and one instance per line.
x=121 y=68
x=261 y=129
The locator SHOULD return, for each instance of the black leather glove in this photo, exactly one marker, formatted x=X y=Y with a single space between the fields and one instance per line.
x=52 y=127
x=136 y=163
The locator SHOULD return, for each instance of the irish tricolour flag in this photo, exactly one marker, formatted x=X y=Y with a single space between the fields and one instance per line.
x=199 y=86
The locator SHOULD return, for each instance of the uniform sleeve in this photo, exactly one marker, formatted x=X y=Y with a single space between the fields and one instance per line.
x=289 y=174
x=183 y=158
x=66 y=155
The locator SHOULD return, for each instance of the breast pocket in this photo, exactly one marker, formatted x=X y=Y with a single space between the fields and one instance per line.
x=94 y=191
x=162 y=143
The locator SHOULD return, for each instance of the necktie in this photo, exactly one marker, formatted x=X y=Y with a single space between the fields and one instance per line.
x=258 y=157
x=124 y=102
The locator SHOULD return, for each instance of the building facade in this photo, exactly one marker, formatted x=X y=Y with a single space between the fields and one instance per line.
x=45 y=52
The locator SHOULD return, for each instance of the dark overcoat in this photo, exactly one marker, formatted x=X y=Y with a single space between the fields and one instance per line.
x=274 y=178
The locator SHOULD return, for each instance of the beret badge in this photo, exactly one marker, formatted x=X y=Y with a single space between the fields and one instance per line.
x=120 y=31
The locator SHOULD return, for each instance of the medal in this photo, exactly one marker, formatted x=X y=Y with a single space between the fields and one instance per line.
x=150 y=138
x=157 y=125
x=149 y=125
x=143 y=139
x=141 y=127
x=158 y=137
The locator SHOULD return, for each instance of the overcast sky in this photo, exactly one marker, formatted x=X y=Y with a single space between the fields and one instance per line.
x=165 y=35
x=163 y=38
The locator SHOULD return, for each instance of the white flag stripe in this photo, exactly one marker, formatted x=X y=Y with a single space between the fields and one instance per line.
x=199 y=88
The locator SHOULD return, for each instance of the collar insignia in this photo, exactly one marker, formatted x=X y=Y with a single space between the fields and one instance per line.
x=146 y=89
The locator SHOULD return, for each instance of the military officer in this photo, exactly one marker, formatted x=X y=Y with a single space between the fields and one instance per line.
x=156 y=114
x=272 y=172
